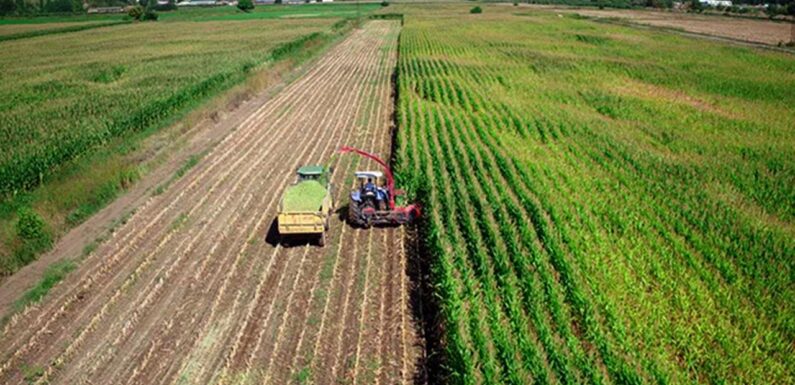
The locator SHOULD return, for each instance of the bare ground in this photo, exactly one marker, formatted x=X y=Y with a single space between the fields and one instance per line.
x=745 y=29
x=195 y=289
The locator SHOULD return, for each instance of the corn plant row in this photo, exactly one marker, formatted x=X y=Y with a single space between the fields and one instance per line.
x=413 y=165
x=515 y=273
x=589 y=243
x=475 y=247
x=651 y=368
x=553 y=246
x=670 y=227
x=668 y=212
x=459 y=93
x=674 y=221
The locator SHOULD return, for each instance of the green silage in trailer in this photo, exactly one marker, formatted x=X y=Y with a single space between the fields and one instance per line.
x=305 y=196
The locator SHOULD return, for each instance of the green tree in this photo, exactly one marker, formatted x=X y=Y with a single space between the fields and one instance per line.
x=150 y=13
x=59 y=6
x=7 y=7
x=135 y=12
x=245 y=5
x=32 y=229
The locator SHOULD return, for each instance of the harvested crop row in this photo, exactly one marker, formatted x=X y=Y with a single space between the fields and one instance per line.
x=193 y=288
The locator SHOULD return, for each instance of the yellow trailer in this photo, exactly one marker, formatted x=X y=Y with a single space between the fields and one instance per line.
x=306 y=206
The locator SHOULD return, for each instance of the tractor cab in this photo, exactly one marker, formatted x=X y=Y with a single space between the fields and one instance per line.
x=313 y=172
x=371 y=192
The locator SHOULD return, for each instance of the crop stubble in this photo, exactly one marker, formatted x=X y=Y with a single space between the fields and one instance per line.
x=189 y=290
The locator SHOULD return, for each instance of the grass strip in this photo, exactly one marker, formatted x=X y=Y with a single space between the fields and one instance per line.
x=54 y=274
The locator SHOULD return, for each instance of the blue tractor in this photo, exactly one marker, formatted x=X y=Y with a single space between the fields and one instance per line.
x=373 y=201
x=370 y=193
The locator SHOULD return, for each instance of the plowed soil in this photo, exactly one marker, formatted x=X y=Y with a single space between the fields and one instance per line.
x=196 y=289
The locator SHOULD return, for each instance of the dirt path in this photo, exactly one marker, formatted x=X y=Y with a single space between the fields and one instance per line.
x=192 y=290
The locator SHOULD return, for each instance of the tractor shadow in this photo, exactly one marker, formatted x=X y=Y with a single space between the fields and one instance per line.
x=342 y=213
x=273 y=238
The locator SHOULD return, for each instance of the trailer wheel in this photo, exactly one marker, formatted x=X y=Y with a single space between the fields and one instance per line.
x=322 y=240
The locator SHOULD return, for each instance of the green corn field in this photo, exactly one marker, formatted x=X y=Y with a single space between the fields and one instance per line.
x=603 y=204
x=121 y=80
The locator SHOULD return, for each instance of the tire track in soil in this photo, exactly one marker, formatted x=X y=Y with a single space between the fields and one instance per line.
x=267 y=325
x=192 y=302
x=290 y=340
x=335 y=177
x=304 y=359
x=332 y=373
x=360 y=325
x=190 y=323
x=335 y=130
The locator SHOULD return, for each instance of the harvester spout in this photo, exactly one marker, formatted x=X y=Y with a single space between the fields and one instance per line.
x=390 y=180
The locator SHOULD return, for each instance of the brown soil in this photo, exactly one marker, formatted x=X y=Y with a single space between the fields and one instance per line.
x=196 y=288
x=756 y=31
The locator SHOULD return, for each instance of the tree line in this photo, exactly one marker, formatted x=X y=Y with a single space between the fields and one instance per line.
x=42 y=7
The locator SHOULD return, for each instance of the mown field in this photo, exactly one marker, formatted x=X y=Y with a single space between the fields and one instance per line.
x=69 y=96
x=603 y=204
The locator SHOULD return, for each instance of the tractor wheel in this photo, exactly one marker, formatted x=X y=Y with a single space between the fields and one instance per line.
x=354 y=214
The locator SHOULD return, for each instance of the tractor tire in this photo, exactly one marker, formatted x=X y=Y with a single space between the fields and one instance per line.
x=354 y=215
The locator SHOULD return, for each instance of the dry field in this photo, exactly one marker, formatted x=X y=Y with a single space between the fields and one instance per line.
x=757 y=31
x=13 y=29
x=193 y=290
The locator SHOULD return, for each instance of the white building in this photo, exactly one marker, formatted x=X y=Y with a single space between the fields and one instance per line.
x=716 y=3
